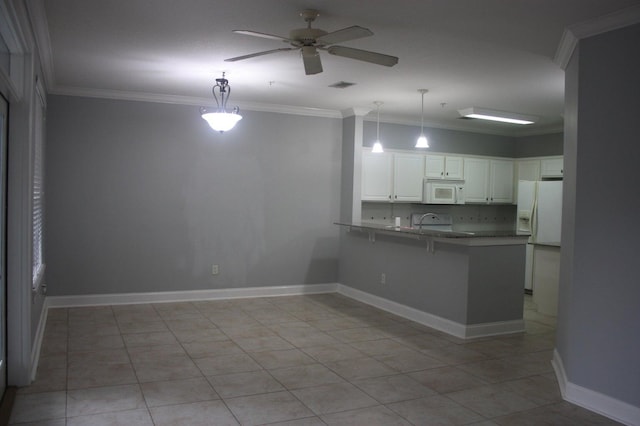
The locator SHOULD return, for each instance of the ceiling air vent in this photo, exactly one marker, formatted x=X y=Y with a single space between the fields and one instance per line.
x=341 y=85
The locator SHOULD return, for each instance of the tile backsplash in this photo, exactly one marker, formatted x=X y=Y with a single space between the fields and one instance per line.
x=467 y=217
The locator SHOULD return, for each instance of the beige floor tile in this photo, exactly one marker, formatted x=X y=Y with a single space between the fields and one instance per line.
x=491 y=401
x=152 y=353
x=435 y=410
x=200 y=335
x=455 y=354
x=424 y=341
x=177 y=392
x=47 y=380
x=93 y=329
x=264 y=343
x=334 y=398
x=138 y=417
x=334 y=324
x=149 y=339
x=330 y=353
x=409 y=360
x=226 y=364
x=305 y=376
x=494 y=370
x=243 y=384
x=94 y=375
x=127 y=327
x=562 y=414
x=167 y=368
x=358 y=334
x=282 y=359
x=205 y=413
x=388 y=389
x=360 y=368
x=39 y=406
x=372 y=416
x=307 y=338
x=199 y=323
x=309 y=421
x=93 y=343
x=208 y=348
x=380 y=347
x=267 y=408
x=538 y=389
x=104 y=399
x=447 y=379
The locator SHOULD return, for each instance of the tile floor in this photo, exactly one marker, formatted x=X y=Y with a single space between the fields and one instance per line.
x=299 y=360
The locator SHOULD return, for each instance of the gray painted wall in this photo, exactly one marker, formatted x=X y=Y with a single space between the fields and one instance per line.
x=599 y=304
x=539 y=145
x=398 y=136
x=144 y=197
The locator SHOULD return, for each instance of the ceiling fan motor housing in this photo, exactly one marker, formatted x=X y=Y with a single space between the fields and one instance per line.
x=305 y=36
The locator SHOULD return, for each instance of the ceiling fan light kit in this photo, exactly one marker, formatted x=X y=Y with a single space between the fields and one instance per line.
x=495 y=115
x=310 y=40
x=219 y=119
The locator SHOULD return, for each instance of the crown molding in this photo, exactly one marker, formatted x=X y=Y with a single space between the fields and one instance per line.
x=574 y=33
x=355 y=111
x=189 y=100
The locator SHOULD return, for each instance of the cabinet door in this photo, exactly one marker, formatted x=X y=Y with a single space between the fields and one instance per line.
x=552 y=167
x=476 y=180
x=453 y=168
x=501 y=187
x=376 y=177
x=434 y=166
x=528 y=170
x=408 y=174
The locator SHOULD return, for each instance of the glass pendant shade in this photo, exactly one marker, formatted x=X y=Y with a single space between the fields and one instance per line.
x=221 y=121
x=422 y=142
x=377 y=145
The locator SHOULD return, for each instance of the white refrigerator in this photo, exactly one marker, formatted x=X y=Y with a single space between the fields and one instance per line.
x=539 y=214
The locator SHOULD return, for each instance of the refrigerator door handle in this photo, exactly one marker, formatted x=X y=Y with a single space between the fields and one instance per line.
x=534 y=220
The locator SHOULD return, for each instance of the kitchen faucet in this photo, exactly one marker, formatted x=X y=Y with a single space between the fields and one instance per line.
x=425 y=215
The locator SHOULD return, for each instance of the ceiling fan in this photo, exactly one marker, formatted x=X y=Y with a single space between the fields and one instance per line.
x=310 y=40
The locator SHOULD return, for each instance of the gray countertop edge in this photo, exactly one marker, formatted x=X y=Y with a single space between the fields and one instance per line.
x=479 y=238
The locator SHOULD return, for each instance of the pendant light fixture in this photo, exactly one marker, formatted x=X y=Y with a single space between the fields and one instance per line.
x=422 y=141
x=377 y=146
x=219 y=119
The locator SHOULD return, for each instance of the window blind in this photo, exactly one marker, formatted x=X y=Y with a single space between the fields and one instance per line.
x=38 y=191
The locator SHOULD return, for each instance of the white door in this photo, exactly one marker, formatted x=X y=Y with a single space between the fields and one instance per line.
x=4 y=109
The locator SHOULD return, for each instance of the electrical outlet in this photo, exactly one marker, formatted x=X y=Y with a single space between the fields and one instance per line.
x=383 y=278
x=215 y=270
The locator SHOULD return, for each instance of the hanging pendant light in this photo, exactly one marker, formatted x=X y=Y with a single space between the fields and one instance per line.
x=377 y=146
x=219 y=119
x=422 y=141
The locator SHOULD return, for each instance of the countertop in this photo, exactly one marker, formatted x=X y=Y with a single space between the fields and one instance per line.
x=413 y=232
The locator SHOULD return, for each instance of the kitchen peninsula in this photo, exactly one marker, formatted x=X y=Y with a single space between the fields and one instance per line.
x=468 y=284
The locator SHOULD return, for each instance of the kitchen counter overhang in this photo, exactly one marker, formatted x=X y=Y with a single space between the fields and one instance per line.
x=465 y=284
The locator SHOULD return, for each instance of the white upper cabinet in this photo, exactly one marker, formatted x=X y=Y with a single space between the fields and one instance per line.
x=488 y=181
x=444 y=167
x=552 y=167
x=528 y=170
x=476 y=180
x=376 y=176
x=501 y=181
x=392 y=177
x=408 y=174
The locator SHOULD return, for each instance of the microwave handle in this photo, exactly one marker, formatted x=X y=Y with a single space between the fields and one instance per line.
x=458 y=191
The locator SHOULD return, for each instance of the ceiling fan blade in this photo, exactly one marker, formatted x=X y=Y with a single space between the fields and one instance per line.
x=262 y=35
x=345 y=34
x=253 y=55
x=311 y=60
x=363 y=55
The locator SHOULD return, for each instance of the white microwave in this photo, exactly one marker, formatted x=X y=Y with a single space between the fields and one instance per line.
x=438 y=191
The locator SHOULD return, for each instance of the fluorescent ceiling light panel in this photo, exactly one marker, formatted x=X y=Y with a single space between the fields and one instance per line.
x=494 y=115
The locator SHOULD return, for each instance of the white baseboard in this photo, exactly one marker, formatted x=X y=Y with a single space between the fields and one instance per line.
x=187 y=295
x=37 y=340
x=442 y=324
x=594 y=401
